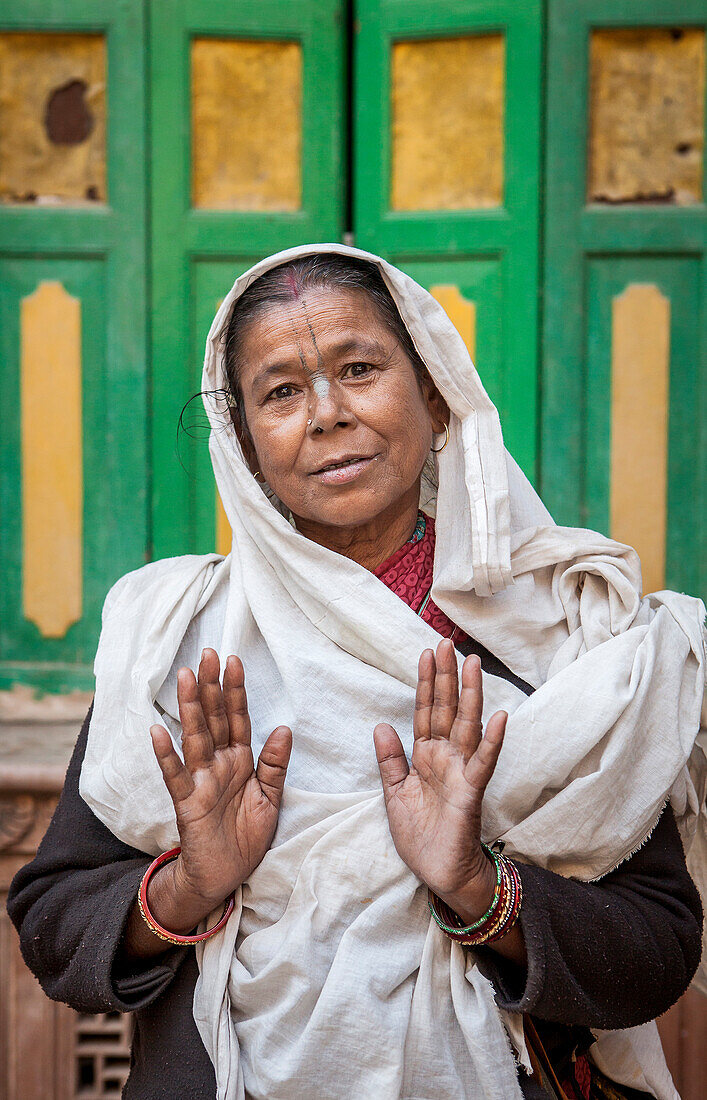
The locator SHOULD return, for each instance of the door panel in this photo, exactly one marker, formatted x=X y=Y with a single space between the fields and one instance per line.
x=471 y=290
x=73 y=462
x=446 y=181
x=625 y=293
x=247 y=159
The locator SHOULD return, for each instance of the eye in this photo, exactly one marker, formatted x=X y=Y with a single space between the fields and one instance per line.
x=280 y=393
x=359 y=370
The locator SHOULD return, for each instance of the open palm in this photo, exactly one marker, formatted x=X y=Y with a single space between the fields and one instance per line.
x=434 y=806
x=226 y=808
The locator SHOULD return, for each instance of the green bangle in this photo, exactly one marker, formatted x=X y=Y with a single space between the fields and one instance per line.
x=494 y=901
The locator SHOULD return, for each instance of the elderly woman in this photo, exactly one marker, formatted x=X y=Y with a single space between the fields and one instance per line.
x=387 y=897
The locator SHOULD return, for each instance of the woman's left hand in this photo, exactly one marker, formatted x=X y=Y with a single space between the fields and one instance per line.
x=434 y=807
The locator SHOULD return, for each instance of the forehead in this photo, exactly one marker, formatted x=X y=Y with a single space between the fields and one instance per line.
x=320 y=318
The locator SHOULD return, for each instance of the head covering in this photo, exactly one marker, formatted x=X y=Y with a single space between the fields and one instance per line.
x=330 y=977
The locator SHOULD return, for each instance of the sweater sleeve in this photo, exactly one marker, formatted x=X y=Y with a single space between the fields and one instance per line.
x=608 y=954
x=70 y=906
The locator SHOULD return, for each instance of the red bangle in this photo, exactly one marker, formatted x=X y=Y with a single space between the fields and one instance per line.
x=157 y=929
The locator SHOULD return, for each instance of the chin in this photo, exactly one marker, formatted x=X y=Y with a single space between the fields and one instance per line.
x=350 y=509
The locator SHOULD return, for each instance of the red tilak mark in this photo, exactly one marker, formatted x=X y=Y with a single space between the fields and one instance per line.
x=294 y=286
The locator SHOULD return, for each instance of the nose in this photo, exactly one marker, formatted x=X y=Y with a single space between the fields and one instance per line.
x=328 y=406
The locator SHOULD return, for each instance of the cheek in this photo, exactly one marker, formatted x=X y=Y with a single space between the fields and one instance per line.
x=276 y=441
x=402 y=417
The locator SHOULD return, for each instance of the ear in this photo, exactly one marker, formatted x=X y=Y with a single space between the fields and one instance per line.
x=436 y=405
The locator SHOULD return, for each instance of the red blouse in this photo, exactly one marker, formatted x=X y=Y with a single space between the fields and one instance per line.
x=408 y=573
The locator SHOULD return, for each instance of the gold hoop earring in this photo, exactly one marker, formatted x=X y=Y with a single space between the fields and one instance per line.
x=256 y=473
x=437 y=450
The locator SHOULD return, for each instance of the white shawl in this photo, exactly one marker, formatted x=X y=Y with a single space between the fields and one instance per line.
x=329 y=980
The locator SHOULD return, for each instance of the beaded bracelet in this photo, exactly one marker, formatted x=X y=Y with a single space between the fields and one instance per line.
x=498 y=919
x=157 y=929
x=451 y=925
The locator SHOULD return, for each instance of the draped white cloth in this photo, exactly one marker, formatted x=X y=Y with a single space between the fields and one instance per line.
x=330 y=980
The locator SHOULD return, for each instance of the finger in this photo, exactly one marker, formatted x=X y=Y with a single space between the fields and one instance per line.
x=424 y=696
x=211 y=698
x=446 y=691
x=197 y=744
x=236 y=702
x=391 y=758
x=177 y=779
x=482 y=764
x=272 y=764
x=466 y=729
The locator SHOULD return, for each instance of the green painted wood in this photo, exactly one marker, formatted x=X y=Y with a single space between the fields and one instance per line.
x=678 y=279
x=98 y=253
x=479 y=281
x=591 y=252
x=185 y=242
x=506 y=237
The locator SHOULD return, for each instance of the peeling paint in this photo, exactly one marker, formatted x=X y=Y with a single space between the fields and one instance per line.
x=646 y=118
x=68 y=119
x=52 y=118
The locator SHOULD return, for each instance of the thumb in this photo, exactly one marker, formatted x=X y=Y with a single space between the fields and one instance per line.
x=391 y=758
x=272 y=764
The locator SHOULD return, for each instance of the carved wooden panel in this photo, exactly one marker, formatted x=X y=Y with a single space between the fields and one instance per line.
x=47 y=1051
x=101 y=1054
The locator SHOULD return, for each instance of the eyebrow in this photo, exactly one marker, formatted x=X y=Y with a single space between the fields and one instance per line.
x=361 y=346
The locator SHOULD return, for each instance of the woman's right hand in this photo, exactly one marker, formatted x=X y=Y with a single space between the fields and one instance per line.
x=226 y=808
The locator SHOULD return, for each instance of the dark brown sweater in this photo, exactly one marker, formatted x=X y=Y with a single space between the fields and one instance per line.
x=607 y=955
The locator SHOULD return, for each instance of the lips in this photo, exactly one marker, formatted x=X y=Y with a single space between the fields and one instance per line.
x=343 y=470
x=338 y=463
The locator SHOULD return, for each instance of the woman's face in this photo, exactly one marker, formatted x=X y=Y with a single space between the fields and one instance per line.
x=340 y=425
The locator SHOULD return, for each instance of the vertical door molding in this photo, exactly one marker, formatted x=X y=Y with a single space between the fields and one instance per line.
x=446 y=172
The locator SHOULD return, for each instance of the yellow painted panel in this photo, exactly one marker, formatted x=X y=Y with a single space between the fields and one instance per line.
x=52 y=466
x=646 y=129
x=246 y=124
x=640 y=373
x=447 y=123
x=224 y=534
x=52 y=118
x=461 y=312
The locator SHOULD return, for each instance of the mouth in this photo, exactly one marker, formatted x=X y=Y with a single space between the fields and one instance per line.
x=343 y=469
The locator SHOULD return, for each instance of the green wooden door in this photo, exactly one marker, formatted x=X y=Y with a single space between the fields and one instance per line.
x=446 y=124
x=625 y=286
x=248 y=140
x=73 y=462
x=429 y=154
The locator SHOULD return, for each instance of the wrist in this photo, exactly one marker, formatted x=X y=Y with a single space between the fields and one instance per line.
x=173 y=903
x=474 y=897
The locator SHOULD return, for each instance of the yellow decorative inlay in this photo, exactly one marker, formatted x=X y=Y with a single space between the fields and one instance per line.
x=246 y=124
x=461 y=312
x=646 y=118
x=640 y=374
x=224 y=534
x=52 y=462
x=52 y=118
x=447 y=123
